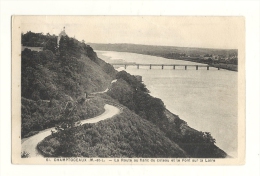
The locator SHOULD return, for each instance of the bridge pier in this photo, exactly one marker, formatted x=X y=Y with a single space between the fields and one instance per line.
x=197 y=67
x=185 y=67
x=174 y=67
x=137 y=66
x=207 y=67
x=162 y=67
x=150 y=66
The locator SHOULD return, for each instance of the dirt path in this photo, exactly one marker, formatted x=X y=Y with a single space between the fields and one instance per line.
x=29 y=145
x=94 y=93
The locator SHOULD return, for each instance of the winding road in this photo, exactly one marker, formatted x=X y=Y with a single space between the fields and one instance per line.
x=29 y=145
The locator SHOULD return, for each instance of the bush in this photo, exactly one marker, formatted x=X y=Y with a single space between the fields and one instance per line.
x=25 y=154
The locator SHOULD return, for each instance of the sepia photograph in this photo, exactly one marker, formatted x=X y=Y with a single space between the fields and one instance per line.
x=128 y=90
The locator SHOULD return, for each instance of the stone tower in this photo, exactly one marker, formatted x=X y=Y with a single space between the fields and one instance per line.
x=62 y=33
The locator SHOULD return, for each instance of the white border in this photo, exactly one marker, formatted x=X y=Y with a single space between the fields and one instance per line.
x=249 y=9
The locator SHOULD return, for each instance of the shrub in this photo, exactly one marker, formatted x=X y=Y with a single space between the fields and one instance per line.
x=25 y=154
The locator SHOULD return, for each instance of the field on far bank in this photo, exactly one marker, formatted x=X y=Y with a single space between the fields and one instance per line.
x=231 y=67
x=199 y=55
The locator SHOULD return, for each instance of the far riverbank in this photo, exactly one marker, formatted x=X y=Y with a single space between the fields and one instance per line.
x=175 y=53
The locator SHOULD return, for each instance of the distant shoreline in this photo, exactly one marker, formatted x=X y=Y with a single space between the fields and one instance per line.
x=166 y=51
x=221 y=66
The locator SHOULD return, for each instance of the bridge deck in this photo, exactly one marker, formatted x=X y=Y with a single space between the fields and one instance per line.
x=135 y=64
x=163 y=65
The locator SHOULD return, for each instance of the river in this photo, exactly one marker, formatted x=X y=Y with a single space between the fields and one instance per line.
x=205 y=99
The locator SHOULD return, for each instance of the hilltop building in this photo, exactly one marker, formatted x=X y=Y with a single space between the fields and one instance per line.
x=62 y=33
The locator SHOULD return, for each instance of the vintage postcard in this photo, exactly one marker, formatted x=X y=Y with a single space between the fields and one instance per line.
x=137 y=90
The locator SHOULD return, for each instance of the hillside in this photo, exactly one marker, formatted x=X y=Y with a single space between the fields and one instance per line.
x=50 y=79
x=56 y=88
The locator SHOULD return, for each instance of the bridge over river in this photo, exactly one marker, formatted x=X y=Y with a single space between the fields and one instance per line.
x=161 y=65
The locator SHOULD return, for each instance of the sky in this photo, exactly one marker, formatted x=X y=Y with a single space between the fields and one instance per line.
x=204 y=32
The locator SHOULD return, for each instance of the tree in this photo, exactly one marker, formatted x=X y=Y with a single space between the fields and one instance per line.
x=65 y=131
x=210 y=60
x=208 y=138
x=68 y=116
x=25 y=154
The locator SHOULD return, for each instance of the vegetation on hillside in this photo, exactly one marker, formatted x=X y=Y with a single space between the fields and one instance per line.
x=126 y=135
x=53 y=77
x=40 y=115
